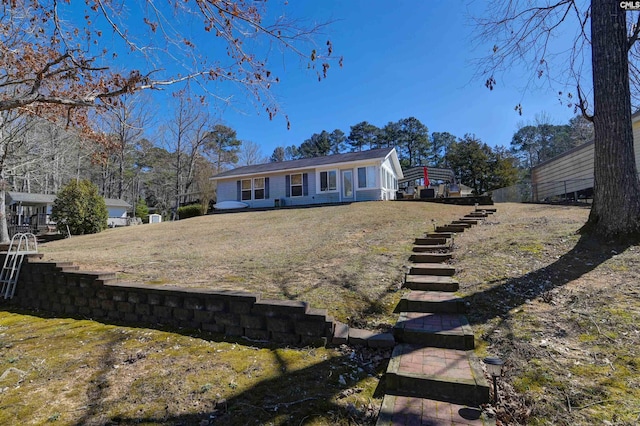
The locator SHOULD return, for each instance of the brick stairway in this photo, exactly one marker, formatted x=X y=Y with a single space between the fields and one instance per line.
x=433 y=377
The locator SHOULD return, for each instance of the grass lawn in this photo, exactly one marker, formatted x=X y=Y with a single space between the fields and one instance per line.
x=562 y=312
x=349 y=259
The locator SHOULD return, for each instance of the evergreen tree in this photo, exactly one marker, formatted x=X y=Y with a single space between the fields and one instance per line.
x=79 y=206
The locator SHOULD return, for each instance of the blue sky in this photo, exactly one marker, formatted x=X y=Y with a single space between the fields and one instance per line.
x=401 y=59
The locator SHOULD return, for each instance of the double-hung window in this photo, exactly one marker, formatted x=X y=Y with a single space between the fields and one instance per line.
x=367 y=177
x=258 y=189
x=246 y=190
x=296 y=185
x=328 y=181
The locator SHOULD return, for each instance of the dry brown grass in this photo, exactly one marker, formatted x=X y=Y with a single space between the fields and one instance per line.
x=344 y=258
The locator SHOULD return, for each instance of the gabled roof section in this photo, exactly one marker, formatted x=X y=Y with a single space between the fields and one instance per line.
x=306 y=163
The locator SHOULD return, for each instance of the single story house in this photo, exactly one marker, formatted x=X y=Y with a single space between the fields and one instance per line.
x=32 y=211
x=570 y=174
x=356 y=176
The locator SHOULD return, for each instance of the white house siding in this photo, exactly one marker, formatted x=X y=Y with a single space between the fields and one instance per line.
x=567 y=173
x=573 y=171
x=228 y=189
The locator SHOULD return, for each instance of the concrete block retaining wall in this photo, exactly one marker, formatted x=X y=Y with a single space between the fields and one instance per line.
x=61 y=289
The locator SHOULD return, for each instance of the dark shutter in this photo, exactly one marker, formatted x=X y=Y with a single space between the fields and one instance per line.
x=239 y=191
x=305 y=184
x=266 y=188
x=287 y=183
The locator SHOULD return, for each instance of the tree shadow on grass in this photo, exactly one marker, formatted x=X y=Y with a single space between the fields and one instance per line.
x=506 y=294
x=294 y=397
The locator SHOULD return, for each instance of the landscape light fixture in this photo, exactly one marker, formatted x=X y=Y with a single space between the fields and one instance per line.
x=494 y=368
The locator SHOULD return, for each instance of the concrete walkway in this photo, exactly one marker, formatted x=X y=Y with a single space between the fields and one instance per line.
x=433 y=377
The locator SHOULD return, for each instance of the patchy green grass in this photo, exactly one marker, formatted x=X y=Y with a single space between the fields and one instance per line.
x=72 y=372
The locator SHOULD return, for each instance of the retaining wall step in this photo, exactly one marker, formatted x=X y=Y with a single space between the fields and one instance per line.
x=461 y=223
x=440 y=330
x=437 y=248
x=450 y=228
x=431 y=283
x=471 y=222
x=476 y=215
x=410 y=410
x=449 y=375
x=430 y=257
x=431 y=301
x=430 y=241
x=432 y=269
x=439 y=234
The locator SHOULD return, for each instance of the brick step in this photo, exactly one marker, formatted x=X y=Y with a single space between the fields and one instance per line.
x=450 y=228
x=449 y=375
x=430 y=257
x=432 y=269
x=440 y=248
x=436 y=330
x=469 y=221
x=461 y=223
x=431 y=301
x=431 y=283
x=439 y=234
x=476 y=215
x=411 y=410
x=430 y=241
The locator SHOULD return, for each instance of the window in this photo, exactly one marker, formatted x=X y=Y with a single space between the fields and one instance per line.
x=367 y=177
x=246 y=189
x=328 y=181
x=258 y=189
x=296 y=185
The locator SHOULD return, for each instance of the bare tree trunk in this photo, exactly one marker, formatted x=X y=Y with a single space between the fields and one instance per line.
x=4 y=230
x=616 y=205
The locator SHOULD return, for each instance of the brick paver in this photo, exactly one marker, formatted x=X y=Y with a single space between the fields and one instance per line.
x=434 y=323
x=443 y=363
x=402 y=410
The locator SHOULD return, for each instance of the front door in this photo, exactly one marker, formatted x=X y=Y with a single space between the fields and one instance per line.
x=347 y=185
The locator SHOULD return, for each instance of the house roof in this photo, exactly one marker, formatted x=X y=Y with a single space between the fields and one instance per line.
x=36 y=199
x=28 y=198
x=306 y=163
x=114 y=202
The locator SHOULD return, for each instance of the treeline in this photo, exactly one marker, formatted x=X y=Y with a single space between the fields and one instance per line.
x=474 y=162
x=171 y=168
x=174 y=166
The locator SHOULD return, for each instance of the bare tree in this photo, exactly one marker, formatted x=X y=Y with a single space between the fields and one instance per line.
x=250 y=153
x=125 y=124
x=523 y=32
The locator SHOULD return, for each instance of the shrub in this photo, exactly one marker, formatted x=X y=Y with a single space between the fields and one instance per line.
x=142 y=211
x=79 y=206
x=193 y=210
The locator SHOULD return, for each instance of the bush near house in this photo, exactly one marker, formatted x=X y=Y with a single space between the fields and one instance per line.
x=79 y=206
x=193 y=210
x=142 y=210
